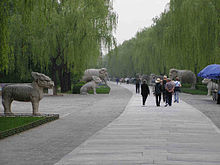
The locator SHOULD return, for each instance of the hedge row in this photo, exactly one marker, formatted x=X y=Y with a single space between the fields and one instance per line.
x=101 y=89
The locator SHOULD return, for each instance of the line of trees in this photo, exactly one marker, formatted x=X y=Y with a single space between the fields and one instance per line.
x=187 y=36
x=60 y=38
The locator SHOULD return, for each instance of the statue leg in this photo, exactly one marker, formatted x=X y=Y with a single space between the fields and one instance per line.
x=94 y=89
x=83 y=91
x=209 y=92
x=35 y=106
x=105 y=82
x=193 y=86
x=7 y=106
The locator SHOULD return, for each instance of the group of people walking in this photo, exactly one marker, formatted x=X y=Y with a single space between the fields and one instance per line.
x=165 y=88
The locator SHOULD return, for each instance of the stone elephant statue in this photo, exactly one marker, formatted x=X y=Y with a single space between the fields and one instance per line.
x=185 y=76
x=101 y=73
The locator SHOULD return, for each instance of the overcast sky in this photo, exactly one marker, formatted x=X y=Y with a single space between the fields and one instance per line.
x=134 y=15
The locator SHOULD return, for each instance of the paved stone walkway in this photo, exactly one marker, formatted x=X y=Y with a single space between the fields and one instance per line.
x=205 y=104
x=176 y=135
x=81 y=116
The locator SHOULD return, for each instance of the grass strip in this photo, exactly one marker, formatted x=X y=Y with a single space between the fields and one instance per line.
x=7 y=123
x=16 y=124
x=193 y=91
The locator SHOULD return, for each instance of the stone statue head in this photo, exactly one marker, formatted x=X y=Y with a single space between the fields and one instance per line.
x=42 y=80
x=173 y=73
x=205 y=81
x=96 y=79
x=103 y=71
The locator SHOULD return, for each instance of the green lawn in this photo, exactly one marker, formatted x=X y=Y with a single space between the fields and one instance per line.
x=7 y=123
x=193 y=91
x=201 y=89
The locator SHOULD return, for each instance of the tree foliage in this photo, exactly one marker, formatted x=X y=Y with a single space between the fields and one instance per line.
x=60 y=38
x=185 y=37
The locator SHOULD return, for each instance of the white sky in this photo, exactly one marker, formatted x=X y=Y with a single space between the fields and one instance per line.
x=134 y=15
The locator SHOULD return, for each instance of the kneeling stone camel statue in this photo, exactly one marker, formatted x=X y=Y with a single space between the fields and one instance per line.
x=90 y=85
x=26 y=92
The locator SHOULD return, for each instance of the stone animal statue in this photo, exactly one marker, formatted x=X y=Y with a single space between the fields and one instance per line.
x=210 y=85
x=90 y=85
x=185 y=76
x=26 y=92
x=101 y=73
x=146 y=77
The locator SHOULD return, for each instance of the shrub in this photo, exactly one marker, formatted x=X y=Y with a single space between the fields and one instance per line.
x=186 y=85
x=101 y=89
x=201 y=89
x=76 y=87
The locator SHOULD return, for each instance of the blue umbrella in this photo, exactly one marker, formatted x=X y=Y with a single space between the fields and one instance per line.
x=210 y=72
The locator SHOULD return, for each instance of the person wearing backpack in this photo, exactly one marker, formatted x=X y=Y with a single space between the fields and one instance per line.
x=177 y=90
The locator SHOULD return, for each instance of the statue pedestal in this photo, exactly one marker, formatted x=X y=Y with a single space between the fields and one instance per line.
x=50 y=91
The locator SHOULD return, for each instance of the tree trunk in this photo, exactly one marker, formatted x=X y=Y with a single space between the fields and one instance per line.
x=66 y=82
x=54 y=74
x=54 y=77
x=61 y=78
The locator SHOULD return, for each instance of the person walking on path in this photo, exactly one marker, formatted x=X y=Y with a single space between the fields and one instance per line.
x=157 y=91
x=144 y=91
x=169 y=91
x=177 y=90
x=163 y=88
x=117 y=80
x=137 y=85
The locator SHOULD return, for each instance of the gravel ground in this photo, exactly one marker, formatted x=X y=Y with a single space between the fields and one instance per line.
x=205 y=104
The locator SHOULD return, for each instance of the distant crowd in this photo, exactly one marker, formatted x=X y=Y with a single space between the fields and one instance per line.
x=163 y=88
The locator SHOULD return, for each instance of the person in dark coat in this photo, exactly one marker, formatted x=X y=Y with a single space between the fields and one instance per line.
x=137 y=85
x=158 y=91
x=218 y=98
x=144 y=91
x=163 y=88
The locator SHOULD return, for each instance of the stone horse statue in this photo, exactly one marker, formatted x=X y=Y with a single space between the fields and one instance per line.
x=26 y=92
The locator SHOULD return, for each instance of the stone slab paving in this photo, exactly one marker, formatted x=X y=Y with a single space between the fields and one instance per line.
x=205 y=104
x=80 y=117
x=176 y=135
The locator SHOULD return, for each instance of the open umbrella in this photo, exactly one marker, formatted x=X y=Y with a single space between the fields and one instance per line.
x=210 y=72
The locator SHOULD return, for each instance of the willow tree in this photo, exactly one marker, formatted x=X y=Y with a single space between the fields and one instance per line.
x=4 y=38
x=185 y=37
x=72 y=37
x=58 y=37
x=9 y=8
x=194 y=32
